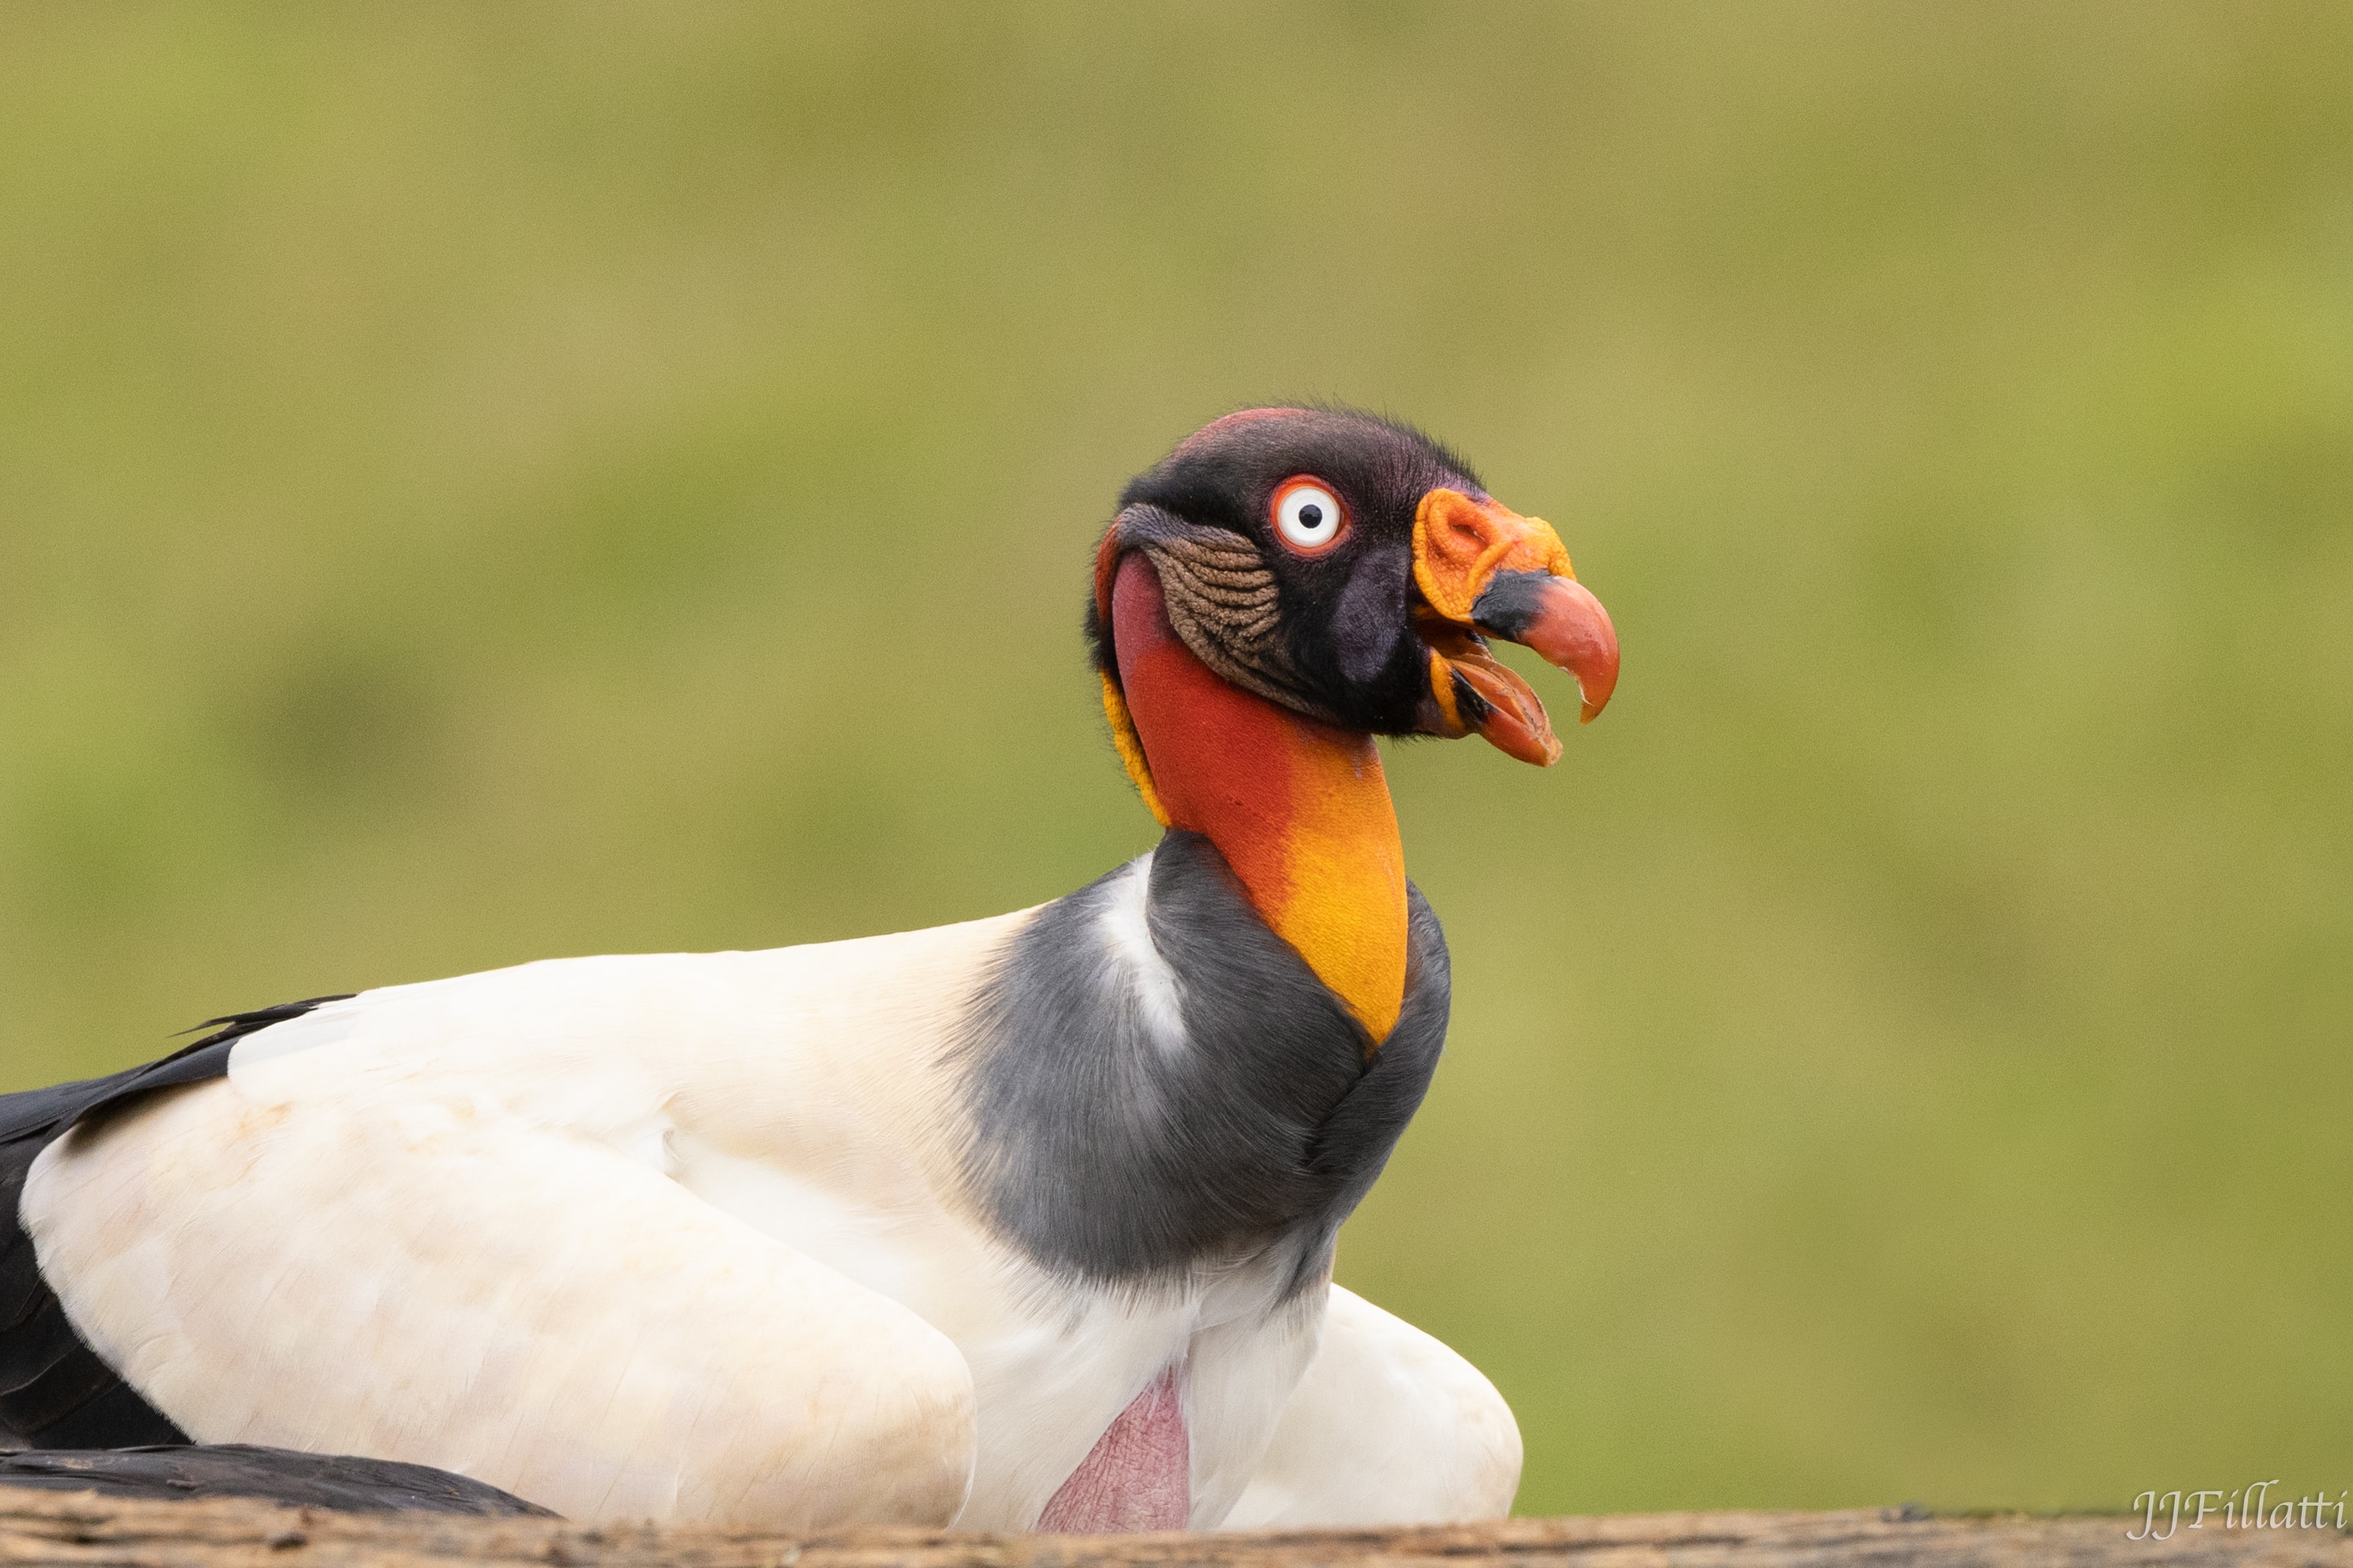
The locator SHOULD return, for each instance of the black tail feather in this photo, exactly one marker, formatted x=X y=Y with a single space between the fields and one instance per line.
x=339 y=1483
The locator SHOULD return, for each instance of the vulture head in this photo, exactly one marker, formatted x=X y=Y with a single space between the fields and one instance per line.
x=1350 y=570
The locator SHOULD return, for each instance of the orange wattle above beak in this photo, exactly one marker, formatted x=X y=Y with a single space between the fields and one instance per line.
x=1483 y=568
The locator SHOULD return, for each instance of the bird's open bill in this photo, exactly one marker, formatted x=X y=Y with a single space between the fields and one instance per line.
x=1483 y=568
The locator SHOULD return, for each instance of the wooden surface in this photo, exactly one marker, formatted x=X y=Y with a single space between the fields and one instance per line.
x=81 y=1529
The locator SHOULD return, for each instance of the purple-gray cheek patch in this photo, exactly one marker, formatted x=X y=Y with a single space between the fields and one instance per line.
x=1366 y=622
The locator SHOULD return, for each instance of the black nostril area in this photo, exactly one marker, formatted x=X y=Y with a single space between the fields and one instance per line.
x=1511 y=603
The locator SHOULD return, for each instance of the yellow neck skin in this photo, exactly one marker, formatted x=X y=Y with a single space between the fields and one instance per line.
x=1300 y=810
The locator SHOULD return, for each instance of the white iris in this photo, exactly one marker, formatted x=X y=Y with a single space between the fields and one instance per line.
x=1308 y=515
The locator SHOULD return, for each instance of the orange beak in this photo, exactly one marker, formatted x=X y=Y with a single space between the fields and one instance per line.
x=1483 y=568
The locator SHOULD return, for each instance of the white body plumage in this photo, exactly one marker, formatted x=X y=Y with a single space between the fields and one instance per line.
x=685 y=1236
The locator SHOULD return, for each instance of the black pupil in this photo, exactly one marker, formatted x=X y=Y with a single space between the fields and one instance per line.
x=1310 y=515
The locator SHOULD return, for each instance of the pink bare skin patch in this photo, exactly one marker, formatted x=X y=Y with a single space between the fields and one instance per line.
x=1138 y=1476
x=1246 y=416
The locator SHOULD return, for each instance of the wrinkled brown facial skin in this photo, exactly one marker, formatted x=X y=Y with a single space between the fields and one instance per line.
x=1384 y=628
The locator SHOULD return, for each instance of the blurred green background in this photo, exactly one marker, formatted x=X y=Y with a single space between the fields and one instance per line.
x=481 y=484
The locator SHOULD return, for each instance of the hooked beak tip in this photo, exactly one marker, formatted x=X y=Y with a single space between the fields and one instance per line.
x=1560 y=619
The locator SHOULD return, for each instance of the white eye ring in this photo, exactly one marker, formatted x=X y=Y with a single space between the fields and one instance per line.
x=1308 y=515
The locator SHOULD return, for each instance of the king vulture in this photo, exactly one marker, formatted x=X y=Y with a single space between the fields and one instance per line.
x=1023 y=1224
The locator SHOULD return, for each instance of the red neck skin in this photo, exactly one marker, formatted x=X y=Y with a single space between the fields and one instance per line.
x=1299 y=809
